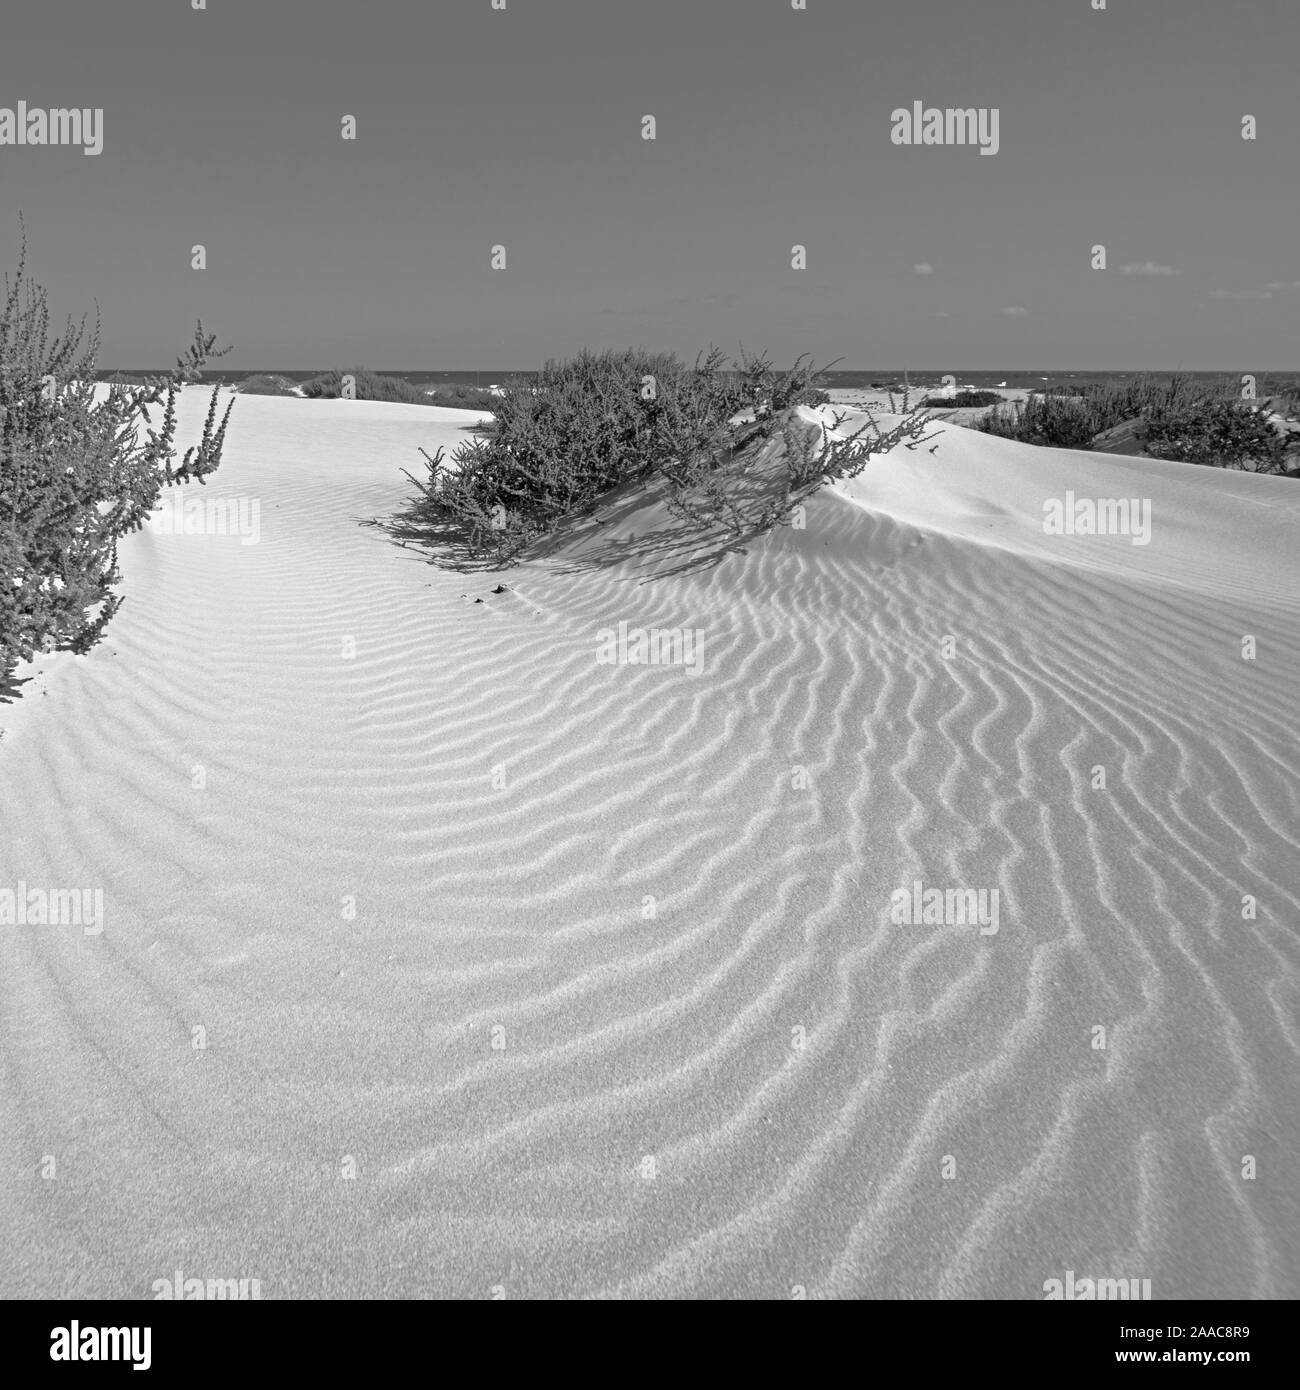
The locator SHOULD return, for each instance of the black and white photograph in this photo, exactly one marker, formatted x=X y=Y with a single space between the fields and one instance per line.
x=650 y=650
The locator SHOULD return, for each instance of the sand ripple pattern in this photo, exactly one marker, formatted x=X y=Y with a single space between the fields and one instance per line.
x=586 y=971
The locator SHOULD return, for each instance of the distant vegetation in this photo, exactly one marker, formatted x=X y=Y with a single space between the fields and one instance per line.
x=1059 y=422
x=565 y=440
x=266 y=384
x=370 y=386
x=73 y=477
x=963 y=400
x=1184 y=419
x=457 y=397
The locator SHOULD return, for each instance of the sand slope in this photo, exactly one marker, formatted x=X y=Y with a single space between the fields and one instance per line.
x=719 y=1069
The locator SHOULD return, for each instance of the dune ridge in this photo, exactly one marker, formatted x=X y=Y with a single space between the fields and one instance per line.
x=505 y=810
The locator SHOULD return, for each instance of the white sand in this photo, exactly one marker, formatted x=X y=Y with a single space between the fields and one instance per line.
x=502 y=808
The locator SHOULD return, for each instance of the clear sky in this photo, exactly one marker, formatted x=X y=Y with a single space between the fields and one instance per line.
x=523 y=127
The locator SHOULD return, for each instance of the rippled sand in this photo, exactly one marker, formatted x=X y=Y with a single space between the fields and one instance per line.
x=524 y=975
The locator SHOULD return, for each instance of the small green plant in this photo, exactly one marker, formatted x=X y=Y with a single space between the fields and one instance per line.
x=903 y=405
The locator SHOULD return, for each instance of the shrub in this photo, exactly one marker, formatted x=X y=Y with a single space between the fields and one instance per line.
x=772 y=393
x=1291 y=395
x=1223 y=434
x=74 y=476
x=1112 y=403
x=1058 y=422
x=457 y=397
x=370 y=386
x=963 y=400
x=562 y=442
x=1183 y=418
x=264 y=384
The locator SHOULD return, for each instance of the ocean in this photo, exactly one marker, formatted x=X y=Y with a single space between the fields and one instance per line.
x=1012 y=378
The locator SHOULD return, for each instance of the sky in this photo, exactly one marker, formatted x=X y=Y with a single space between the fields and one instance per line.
x=523 y=128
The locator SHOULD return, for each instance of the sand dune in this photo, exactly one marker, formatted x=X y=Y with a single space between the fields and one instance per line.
x=587 y=970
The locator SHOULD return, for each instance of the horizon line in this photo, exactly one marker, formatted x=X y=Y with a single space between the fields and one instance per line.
x=829 y=371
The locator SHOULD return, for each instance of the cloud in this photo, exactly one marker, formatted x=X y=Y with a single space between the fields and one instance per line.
x=1013 y=311
x=1268 y=292
x=925 y=268
x=1147 y=268
x=679 y=301
x=725 y=301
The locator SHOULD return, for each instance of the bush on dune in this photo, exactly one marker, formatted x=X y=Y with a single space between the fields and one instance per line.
x=265 y=384
x=582 y=428
x=1112 y=403
x=75 y=476
x=560 y=442
x=1223 y=434
x=962 y=400
x=1057 y=422
x=370 y=386
x=457 y=397
x=1184 y=419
